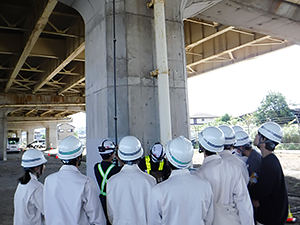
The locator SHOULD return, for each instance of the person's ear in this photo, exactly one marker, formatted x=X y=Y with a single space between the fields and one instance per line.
x=36 y=169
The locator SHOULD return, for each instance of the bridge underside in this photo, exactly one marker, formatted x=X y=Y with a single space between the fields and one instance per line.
x=42 y=53
x=210 y=45
x=222 y=32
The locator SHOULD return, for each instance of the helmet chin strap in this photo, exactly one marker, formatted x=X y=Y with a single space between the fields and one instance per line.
x=239 y=148
x=272 y=145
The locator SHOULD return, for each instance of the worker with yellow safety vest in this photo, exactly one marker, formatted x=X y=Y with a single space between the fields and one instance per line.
x=104 y=170
x=155 y=164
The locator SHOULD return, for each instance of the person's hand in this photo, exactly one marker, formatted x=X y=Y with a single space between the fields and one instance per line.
x=253 y=178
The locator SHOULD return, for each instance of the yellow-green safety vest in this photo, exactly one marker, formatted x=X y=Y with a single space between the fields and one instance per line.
x=104 y=177
x=148 y=164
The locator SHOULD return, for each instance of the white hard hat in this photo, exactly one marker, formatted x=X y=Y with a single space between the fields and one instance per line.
x=242 y=138
x=229 y=134
x=130 y=149
x=33 y=158
x=180 y=152
x=272 y=131
x=212 y=139
x=69 y=148
x=237 y=128
x=107 y=147
x=157 y=152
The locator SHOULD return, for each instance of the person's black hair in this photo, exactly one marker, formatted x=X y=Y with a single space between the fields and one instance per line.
x=26 y=176
x=132 y=162
x=270 y=145
x=106 y=156
x=227 y=147
x=248 y=147
x=208 y=153
x=73 y=161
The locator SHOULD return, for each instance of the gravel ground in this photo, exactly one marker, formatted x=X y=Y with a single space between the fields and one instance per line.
x=11 y=170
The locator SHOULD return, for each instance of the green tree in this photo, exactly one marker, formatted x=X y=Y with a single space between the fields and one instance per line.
x=225 y=118
x=273 y=108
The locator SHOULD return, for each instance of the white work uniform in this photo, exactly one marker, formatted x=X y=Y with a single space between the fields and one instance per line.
x=181 y=199
x=72 y=198
x=127 y=196
x=237 y=163
x=232 y=204
x=28 y=203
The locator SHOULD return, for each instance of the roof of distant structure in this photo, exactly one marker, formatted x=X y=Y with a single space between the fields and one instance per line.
x=66 y=124
x=203 y=115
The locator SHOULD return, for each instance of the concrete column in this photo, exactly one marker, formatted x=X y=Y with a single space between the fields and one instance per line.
x=51 y=136
x=30 y=135
x=137 y=97
x=3 y=134
x=19 y=134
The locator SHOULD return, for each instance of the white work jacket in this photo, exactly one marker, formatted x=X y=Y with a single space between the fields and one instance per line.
x=237 y=163
x=127 y=196
x=181 y=199
x=72 y=198
x=232 y=204
x=28 y=203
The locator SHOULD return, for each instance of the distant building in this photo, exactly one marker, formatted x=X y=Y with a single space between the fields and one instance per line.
x=201 y=118
x=65 y=130
x=296 y=112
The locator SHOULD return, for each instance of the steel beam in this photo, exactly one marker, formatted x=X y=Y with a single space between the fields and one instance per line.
x=39 y=26
x=41 y=105
x=79 y=80
x=65 y=62
x=192 y=45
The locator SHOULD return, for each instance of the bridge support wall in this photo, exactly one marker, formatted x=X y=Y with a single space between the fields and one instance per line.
x=3 y=134
x=137 y=97
x=51 y=136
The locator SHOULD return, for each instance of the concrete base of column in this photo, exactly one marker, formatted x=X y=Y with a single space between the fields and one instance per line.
x=3 y=134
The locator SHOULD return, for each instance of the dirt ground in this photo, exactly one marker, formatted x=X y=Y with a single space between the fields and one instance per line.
x=11 y=170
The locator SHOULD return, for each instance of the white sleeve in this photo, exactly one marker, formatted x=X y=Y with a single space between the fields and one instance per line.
x=243 y=202
x=209 y=218
x=38 y=199
x=92 y=205
x=154 y=207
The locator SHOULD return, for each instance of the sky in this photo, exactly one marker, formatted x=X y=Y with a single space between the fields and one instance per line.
x=240 y=88
x=79 y=120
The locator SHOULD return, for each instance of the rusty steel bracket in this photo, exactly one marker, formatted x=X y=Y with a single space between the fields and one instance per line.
x=155 y=73
x=150 y=4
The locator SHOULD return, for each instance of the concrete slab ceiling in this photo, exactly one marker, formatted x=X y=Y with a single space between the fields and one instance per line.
x=42 y=47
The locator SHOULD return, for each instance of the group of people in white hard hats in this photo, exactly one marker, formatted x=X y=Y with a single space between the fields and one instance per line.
x=67 y=197
x=234 y=185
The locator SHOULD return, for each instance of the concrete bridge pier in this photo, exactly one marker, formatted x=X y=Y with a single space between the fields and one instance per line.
x=51 y=135
x=30 y=135
x=19 y=134
x=3 y=134
x=137 y=94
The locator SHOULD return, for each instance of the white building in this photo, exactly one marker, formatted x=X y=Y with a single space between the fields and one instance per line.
x=65 y=130
x=201 y=118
